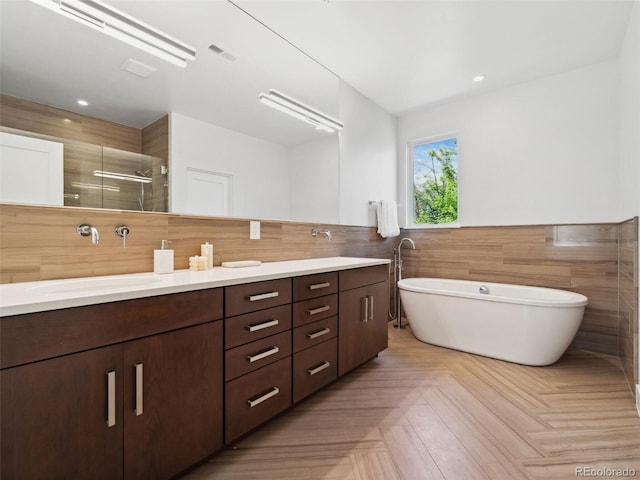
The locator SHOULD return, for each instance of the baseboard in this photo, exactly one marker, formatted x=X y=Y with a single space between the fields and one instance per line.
x=638 y=398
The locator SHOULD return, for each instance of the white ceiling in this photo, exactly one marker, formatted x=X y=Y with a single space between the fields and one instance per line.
x=401 y=54
x=409 y=54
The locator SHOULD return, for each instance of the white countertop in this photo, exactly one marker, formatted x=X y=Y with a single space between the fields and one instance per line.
x=30 y=297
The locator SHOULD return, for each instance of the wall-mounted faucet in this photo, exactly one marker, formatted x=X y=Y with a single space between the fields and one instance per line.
x=86 y=230
x=123 y=231
x=326 y=233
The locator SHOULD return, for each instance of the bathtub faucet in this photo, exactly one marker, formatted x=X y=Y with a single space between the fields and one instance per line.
x=484 y=289
x=397 y=272
x=399 y=253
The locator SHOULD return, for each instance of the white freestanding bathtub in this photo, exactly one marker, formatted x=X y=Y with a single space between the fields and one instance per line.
x=520 y=324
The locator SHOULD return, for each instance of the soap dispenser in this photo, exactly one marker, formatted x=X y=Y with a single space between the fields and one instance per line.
x=163 y=259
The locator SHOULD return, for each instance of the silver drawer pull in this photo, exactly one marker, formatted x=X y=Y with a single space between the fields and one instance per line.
x=274 y=391
x=319 y=368
x=261 y=326
x=263 y=296
x=317 y=286
x=319 y=333
x=139 y=408
x=111 y=398
x=364 y=309
x=371 y=308
x=265 y=354
x=315 y=311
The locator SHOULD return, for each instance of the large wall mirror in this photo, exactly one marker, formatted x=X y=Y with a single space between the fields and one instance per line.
x=228 y=153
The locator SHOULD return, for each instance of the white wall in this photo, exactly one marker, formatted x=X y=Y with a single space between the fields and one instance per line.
x=630 y=119
x=368 y=165
x=259 y=168
x=313 y=173
x=539 y=152
x=630 y=124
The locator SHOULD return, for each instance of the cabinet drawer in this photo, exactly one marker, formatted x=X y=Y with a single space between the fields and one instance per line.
x=314 y=309
x=314 y=333
x=249 y=357
x=314 y=368
x=358 y=277
x=37 y=336
x=254 y=398
x=317 y=285
x=256 y=325
x=251 y=297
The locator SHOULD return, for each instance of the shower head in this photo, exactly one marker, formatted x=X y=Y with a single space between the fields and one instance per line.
x=145 y=173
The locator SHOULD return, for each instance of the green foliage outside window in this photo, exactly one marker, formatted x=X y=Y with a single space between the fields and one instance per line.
x=435 y=189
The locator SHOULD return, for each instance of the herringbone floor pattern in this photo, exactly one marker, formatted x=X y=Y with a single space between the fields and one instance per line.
x=423 y=412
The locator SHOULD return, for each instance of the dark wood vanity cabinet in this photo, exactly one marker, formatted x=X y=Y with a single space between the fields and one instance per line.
x=135 y=389
x=114 y=391
x=363 y=318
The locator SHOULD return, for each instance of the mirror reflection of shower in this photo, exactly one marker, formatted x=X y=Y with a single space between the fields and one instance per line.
x=143 y=185
x=126 y=181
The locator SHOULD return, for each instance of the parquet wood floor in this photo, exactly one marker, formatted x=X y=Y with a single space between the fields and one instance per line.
x=424 y=412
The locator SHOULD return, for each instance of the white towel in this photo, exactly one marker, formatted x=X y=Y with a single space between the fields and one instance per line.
x=388 y=219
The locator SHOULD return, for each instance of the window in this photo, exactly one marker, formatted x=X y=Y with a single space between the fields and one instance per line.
x=434 y=195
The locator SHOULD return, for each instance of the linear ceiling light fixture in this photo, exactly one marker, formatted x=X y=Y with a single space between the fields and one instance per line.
x=122 y=176
x=299 y=110
x=106 y=19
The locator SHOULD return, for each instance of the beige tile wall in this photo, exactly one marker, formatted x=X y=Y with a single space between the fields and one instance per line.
x=628 y=299
x=581 y=258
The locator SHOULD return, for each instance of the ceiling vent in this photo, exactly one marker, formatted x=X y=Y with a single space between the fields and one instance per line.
x=223 y=53
x=137 y=68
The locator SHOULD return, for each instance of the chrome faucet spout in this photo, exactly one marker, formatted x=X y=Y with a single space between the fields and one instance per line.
x=316 y=231
x=409 y=241
x=87 y=230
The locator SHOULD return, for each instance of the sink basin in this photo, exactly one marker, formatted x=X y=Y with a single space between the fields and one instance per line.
x=93 y=285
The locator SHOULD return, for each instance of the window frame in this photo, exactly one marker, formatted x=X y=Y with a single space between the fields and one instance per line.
x=410 y=181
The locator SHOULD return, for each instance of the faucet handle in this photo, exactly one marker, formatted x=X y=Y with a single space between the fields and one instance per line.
x=123 y=231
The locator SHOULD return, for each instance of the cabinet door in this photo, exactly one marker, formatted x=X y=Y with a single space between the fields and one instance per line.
x=54 y=417
x=172 y=401
x=377 y=327
x=352 y=329
x=362 y=325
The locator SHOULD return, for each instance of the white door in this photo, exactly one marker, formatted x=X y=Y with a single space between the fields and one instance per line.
x=208 y=193
x=31 y=170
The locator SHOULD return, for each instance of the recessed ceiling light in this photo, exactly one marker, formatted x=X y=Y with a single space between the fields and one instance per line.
x=478 y=78
x=83 y=103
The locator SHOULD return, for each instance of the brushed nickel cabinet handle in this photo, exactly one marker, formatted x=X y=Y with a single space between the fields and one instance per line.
x=272 y=393
x=111 y=398
x=262 y=326
x=319 y=368
x=139 y=400
x=364 y=309
x=265 y=354
x=371 y=308
x=319 y=333
x=317 y=286
x=315 y=311
x=263 y=296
